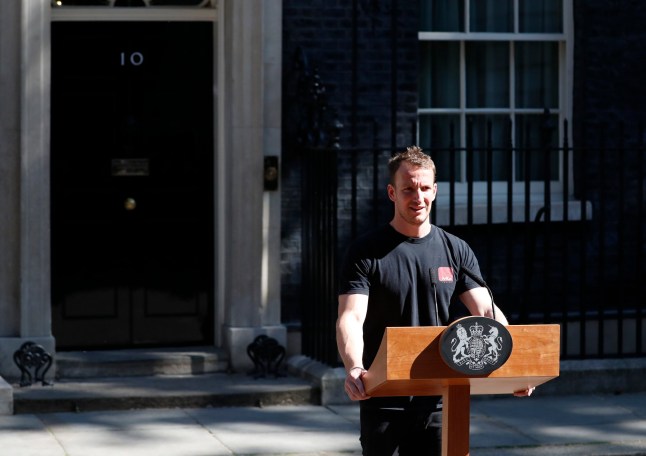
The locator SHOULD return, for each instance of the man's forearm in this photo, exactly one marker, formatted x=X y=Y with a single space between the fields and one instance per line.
x=349 y=340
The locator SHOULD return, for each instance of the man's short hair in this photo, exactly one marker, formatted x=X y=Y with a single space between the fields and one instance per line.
x=416 y=157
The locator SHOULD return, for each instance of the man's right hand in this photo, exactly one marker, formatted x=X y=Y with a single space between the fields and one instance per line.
x=354 y=384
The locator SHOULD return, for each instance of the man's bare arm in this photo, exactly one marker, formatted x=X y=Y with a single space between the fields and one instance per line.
x=478 y=301
x=349 y=338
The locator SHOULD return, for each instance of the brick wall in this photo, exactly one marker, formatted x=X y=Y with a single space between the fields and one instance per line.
x=608 y=112
x=380 y=37
x=609 y=68
x=609 y=64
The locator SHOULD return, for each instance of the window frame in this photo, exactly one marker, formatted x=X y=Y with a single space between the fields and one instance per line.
x=478 y=189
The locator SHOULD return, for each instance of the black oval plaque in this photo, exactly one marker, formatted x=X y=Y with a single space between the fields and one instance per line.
x=475 y=345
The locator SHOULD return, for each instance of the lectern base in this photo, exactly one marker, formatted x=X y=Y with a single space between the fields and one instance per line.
x=456 y=411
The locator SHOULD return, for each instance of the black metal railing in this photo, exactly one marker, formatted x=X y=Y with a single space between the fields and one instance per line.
x=573 y=257
x=319 y=256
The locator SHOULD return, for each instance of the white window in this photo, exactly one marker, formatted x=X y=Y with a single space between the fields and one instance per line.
x=489 y=72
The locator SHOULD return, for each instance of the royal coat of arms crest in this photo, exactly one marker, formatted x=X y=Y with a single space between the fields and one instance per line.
x=476 y=345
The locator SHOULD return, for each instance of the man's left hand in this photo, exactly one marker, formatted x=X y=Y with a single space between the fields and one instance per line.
x=524 y=393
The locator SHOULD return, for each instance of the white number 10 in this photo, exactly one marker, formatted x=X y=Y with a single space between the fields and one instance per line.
x=135 y=59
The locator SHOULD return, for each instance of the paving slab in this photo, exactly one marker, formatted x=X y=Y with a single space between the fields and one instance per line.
x=554 y=420
x=142 y=442
x=27 y=435
x=580 y=425
x=280 y=429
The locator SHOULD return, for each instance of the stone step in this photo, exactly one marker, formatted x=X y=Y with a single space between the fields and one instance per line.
x=155 y=378
x=140 y=362
x=163 y=391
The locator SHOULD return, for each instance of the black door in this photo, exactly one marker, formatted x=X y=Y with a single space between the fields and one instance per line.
x=132 y=183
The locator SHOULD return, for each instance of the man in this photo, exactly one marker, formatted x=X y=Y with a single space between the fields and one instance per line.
x=406 y=273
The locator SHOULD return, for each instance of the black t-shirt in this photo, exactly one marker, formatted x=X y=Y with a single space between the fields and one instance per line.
x=404 y=278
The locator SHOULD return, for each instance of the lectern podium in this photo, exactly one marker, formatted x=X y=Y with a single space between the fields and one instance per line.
x=409 y=363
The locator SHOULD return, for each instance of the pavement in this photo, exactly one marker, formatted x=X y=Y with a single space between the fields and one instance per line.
x=184 y=402
x=544 y=424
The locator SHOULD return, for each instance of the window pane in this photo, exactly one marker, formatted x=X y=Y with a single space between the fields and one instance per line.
x=438 y=136
x=484 y=132
x=442 y=15
x=491 y=16
x=536 y=135
x=537 y=75
x=540 y=16
x=439 y=75
x=487 y=75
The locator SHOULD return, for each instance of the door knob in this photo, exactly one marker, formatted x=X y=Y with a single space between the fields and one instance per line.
x=130 y=204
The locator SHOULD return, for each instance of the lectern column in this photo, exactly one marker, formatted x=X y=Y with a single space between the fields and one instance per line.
x=456 y=404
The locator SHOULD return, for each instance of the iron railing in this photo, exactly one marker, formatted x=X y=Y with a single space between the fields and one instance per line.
x=574 y=257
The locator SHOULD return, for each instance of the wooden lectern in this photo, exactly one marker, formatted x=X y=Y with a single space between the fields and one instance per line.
x=408 y=363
